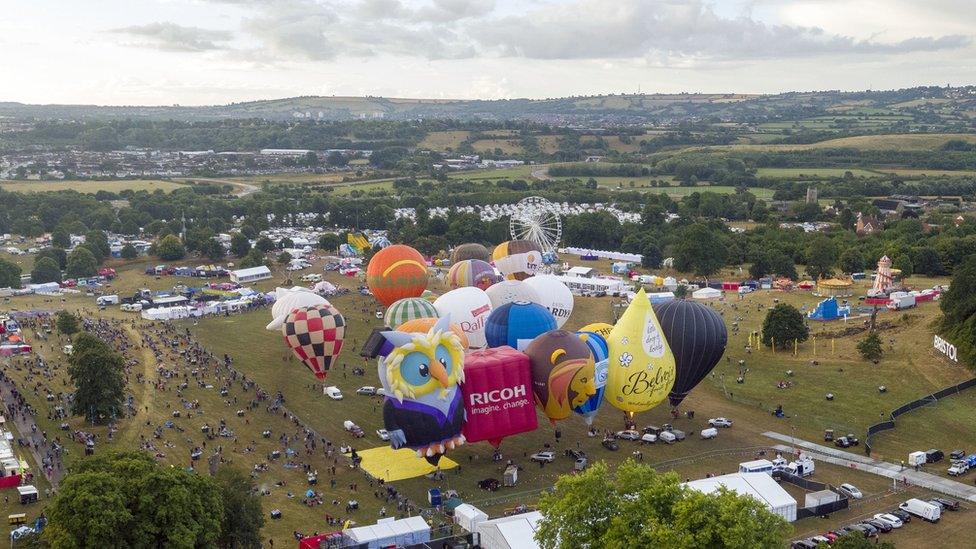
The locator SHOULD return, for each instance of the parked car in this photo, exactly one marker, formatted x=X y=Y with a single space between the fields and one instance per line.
x=353 y=429
x=575 y=454
x=957 y=454
x=958 y=467
x=831 y=536
x=904 y=516
x=949 y=504
x=711 y=432
x=489 y=484
x=679 y=435
x=383 y=434
x=844 y=442
x=367 y=390
x=629 y=434
x=850 y=490
x=610 y=444
x=821 y=539
x=648 y=438
x=803 y=544
x=889 y=519
x=934 y=456
x=869 y=531
x=652 y=430
x=667 y=437
x=543 y=457
x=880 y=526
x=333 y=392
x=720 y=422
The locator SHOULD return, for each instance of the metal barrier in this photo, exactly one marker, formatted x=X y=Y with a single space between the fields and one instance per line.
x=914 y=405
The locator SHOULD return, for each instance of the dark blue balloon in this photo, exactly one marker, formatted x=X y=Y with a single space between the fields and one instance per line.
x=517 y=322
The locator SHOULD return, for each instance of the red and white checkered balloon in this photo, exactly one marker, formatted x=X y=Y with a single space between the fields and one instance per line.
x=315 y=335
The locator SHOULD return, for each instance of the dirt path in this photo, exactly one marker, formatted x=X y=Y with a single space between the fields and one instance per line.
x=243 y=189
x=148 y=362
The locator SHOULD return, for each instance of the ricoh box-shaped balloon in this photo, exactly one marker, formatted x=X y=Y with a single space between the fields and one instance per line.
x=497 y=394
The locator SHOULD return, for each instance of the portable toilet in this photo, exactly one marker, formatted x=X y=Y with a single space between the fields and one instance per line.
x=917 y=458
x=434 y=497
x=511 y=475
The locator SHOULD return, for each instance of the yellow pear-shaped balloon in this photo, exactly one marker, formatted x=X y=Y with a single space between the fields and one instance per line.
x=641 y=370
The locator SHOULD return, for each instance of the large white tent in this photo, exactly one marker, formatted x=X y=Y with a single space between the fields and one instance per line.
x=390 y=532
x=468 y=516
x=707 y=293
x=760 y=486
x=514 y=532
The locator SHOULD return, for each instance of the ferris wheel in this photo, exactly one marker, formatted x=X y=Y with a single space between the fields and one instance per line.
x=535 y=219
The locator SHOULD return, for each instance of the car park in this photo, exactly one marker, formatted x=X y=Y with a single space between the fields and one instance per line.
x=850 y=490
x=543 y=457
x=720 y=422
x=629 y=434
x=889 y=519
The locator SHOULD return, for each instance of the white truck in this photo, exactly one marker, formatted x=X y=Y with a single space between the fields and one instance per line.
x=757 y=466
x=333 y=392
x=107 y=300
x=899 y=301
x=917 y=458
x=922 y=509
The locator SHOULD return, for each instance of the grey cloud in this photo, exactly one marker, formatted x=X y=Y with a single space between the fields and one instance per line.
x=172 y=37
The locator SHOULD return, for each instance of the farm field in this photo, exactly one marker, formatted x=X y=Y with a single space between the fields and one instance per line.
x=508 y=145
x=898 y=142
x=813 y=173
x=91 y=187
x=917 y=172
x=440 y=141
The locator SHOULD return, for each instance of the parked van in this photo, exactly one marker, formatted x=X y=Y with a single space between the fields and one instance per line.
x=922 y=509
x=711 y=432
x=648 y=438
x=107 y=300
x=667 y=437
x=757 y=466
x=333 y=392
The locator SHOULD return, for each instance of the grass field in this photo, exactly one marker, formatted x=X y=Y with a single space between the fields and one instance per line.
x=813 y=173
x=91 y=187
x=915 y=172
x=506 y=145
x=441 y=141
x=897 y=142
x=909 y=369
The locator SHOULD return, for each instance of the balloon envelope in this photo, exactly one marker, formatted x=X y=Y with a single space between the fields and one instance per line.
x=315 y=336
x=287 y=299
x=517 y=324
x=641 y=366
x=468 y=308
x=601 y=328
x=601 y=353
x=510 y=291
x=409 y=308
x=472 y=272
x=497 y=394
x=562 y=373
x=396 y=272
x=697 y=337
x=470 y=251
x=553 y=295
x=517 y=259
x=423 y=325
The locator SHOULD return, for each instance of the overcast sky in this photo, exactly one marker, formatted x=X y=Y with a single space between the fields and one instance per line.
x=191 y=52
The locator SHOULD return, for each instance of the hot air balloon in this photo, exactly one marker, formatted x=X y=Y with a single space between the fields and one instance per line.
x=601 y=328
x=287 y=299
x=423 y=409
x=553 y=295
x=315 y=335
x=396 y=272
x=510 y=291
x=472 y=272
x=470 y=251
x=409 y=308
x=423 y=325
x=517 y=324
x=497 y=394
x=517 y=259
x=562 y=373
x=469 y=308
x=601 y=352
x=641 y=368
x=697 y=337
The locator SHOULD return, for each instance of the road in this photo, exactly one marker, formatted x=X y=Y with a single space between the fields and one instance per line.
x=541 y=173
x=877 y=467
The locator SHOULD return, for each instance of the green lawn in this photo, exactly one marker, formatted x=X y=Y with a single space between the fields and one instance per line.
x=91 y=187
x=813 y=173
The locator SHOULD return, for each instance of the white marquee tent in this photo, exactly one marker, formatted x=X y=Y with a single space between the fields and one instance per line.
x=707 y=293
x=514 y=532
x=760 y=486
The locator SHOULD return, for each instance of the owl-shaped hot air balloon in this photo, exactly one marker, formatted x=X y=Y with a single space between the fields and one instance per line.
x=562 y=373
x=315 y=335
x=424 y=410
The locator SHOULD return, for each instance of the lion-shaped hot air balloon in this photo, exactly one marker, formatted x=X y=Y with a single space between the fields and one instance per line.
x=562 y=373
x=396 y=272
x=641 y=368
x=517 y=259
x=424 y=410
x=697 y=337
x=315 y=336
x=601 y=353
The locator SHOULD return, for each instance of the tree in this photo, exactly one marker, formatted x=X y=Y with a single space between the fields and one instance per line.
x=9 y=274
x=903 y=263
x=784 y=324
x=81 y=263
x=283 y=258
x=67 y=323
x=126 y=499
x=61 y=239
x=336 y=159
x=243 y=518
x=45 y=270
x=760 y=266
x=285 y=243
x=821 y=256
x=253 y=259
x=59 y=256
x=639 y=507
x=264 y=244
x=129 y=252
x=856 y=540
x=958 y=306
x=927 y=261
x=699 y=249
x=870 y=347
x=240 y=245
x=170 y=248
x=851 y=261
x=98 y=242
x=98 y=374
x=651 y=255
x=329 y=242
x=212 y=249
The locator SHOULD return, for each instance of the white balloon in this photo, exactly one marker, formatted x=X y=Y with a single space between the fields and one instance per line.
x=553 y=295
x=289 y=299
x=510 y=291
x=469 y=308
